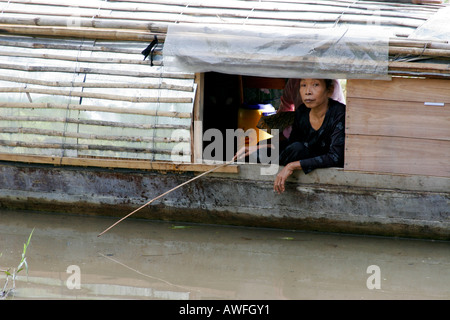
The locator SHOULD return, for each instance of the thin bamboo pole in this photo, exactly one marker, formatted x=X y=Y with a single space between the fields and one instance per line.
x=34 y=19
x=94 y=122
x=411 y=43
x=420 y=52
x=87 y=33
x=88 y=136
x=96 y=95
x=58 y=45
x=77 y=84
x=71 y=58
x=84 y=147
x=87 y=70
x=165 y=193
x=159 y=113
x=420 y=67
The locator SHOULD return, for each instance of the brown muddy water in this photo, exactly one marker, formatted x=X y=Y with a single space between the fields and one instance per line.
x=141 y=259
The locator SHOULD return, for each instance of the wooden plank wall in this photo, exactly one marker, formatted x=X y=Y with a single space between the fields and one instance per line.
x=400 y=126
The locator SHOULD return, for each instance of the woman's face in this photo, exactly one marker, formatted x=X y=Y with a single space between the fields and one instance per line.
x=314 y=93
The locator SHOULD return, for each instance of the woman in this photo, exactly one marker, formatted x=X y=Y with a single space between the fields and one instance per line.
x=317 y=137
x=291 y=100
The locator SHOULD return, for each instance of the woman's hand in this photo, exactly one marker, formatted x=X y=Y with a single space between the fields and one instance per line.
x=280 y=180
x=244 y=152
x=247 y=150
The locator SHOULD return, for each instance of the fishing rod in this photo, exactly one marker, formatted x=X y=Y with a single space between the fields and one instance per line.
x=169 y=191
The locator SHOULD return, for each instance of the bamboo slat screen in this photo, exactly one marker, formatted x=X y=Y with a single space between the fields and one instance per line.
x=88 y=98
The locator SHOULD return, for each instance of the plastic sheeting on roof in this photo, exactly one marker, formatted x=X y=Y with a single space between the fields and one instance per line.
x=277 y=52
x=436 y=28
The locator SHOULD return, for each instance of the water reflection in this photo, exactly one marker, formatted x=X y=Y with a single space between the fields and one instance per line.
x=157 y=260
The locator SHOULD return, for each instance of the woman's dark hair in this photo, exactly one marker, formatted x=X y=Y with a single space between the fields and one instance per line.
x=328 y=83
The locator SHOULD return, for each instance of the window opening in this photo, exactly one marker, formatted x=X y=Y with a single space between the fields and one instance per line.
x=233 y=102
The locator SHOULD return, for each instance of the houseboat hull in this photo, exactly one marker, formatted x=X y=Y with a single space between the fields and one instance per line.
x=326 y=200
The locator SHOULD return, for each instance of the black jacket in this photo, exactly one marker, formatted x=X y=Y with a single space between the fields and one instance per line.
x=326 y=145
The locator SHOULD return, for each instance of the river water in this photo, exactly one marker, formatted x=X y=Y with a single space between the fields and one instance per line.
x=141 y=259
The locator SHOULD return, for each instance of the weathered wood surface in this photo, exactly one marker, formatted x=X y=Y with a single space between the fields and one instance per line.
x=331 y=200
x=116 y=163
x=401 y=89
x=397 y=155
x=398 y=119
x=399 y=126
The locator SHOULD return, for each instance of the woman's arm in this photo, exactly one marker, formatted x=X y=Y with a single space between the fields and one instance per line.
x=245 y=151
